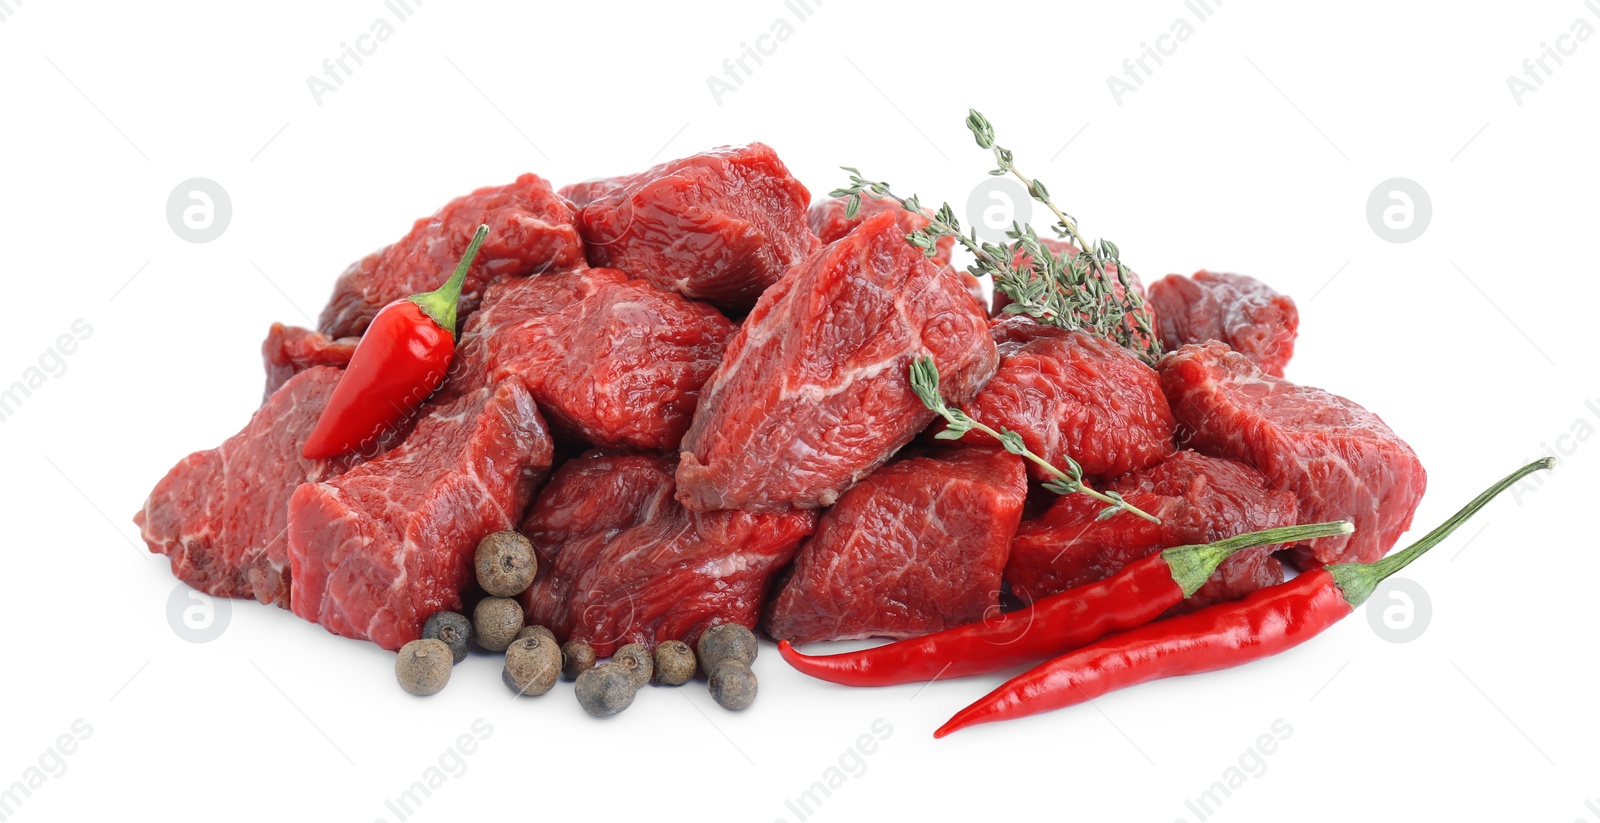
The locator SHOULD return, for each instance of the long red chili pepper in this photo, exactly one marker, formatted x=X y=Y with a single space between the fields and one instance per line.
x=402 y=358
x=1137 y=594
x=1265 y=623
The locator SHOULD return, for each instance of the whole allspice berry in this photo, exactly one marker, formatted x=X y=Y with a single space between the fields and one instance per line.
x=675 y=663
x=496 y=621
x=733 y=685
x=726 y=641
x=605 y=690
x=529 y=631
x=636 y=662
x=505 y=564
x=577 y=657
x=423 y=667
x=533 y=664
x=452 y=628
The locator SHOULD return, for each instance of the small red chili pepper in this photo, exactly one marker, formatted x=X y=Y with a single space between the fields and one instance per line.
x=1265 y=623
x=401 y=359
x=1137 y=594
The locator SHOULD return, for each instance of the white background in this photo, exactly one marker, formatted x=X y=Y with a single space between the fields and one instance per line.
x=1253 y=148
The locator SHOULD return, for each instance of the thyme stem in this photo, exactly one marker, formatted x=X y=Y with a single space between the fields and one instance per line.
x=925 y=382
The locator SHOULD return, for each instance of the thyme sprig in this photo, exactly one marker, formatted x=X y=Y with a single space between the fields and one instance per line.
x=1095 y=264
x=1071 y=291
x=925 y=382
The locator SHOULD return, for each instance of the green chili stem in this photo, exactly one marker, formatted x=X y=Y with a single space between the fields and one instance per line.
x=1193 y=565
x=441 y=303
x=1359 y=580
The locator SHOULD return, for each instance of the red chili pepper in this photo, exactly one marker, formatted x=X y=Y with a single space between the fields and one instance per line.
x=1218 y=637
x=1137 y=594
x=402 y=358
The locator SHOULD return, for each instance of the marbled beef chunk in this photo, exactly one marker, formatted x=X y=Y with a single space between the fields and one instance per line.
x=220 y=515
x=828 y=221
x=1199 y=499
x=622 y=562
x=586 y=192
x=916 y=548
x=530 y=231
x=719 y=226
x=814 y=393
x=1078 y=395
x=289 y=350
x=612 y=362
x=1339 y=460
x=1241 y=311
x=377 y=550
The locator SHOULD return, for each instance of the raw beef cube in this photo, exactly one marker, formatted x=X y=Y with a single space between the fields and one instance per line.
x=814 y=393
x=915 y=548
x=378 y=549
x=973 y=285
x=582 y=194
x=220 y=515
x=1011 y=334
x=530 y=231
x=1338 y=459
x=1241 y=311
x=625 y=563
x=1199 y=500
x=289 y=350
x=829 y=224
x=1078 y=395
x=596 y=492
x=719 y=226
x=615 y=362
x=828 y=221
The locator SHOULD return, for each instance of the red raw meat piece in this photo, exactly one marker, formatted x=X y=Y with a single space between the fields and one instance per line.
x=616 y=362
x=378 y=549
x=582 y=194
x=1339 y=460
x=622 y=562
x=596 y=492
x=814 y=393
x=828 y=222
x=289 y=350
x=1012 y=333
x=1241 y=311
x=530 y=231
x=973 y=285
x=719 y=226
x=1075 y=394
x=220 y=515
x=915 y=548
x=1199 y=500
